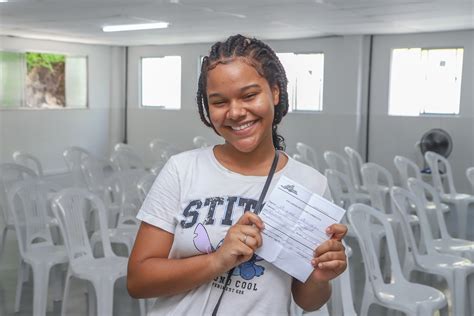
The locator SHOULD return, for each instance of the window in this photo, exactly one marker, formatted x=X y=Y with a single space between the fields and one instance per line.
x=42 y=80
x=305 y=73
x=161 y=82
x=425 y=81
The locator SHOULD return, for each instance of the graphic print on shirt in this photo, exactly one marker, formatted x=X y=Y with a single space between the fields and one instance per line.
x=247 y=270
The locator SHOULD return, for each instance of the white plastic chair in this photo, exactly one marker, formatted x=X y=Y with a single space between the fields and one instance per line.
x=399 y=294
x=470 y=177
x=439 y=236
x=9 y=174
x=378 y=181
x=342 y=190
x=455 y=270
x=409 y=169
x=460 y=201
x=124 y=197
x=74 y=156
x=29 y=161
x=355 y=163
x=68 y=207
x=337 y=162
x=201 y=142
x=29 y=203
x=162 y=150
x=124 y=158
x=306 y=155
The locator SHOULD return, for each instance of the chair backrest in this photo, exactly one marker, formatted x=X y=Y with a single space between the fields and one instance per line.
x=405 y=204
x=74 y=156
x=124 y=158
x=406 y=169
x=342 y=190
x=422 y=190
x=9 y=174
x=121 y=191
x=200 y=142
x=308 y=155
x=28 y=161
x=161 y=150
x=93 y=173
x=362 y=217
x=337 y=162
x=376 y=179
x=29 y=202
x=70 y=207
x=144 y=185
x=470 y=177
x=355 y=163
x=435 y=161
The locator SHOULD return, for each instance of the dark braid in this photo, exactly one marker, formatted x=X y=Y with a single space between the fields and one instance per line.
x=263 y=59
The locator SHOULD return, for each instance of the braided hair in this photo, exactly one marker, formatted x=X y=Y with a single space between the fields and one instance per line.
x=263 y=59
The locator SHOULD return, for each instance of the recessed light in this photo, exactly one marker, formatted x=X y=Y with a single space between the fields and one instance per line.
x=135 y=27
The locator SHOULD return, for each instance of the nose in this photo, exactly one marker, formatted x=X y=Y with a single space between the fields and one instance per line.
x=236 y=111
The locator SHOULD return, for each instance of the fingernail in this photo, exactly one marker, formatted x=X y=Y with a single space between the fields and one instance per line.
x=320 y=265
x=328 y=230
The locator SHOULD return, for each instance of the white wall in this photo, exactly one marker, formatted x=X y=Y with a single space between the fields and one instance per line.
x=46 y=133
x=341 y=123
x=392 y=135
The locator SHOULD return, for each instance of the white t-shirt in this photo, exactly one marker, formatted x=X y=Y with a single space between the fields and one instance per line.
x=197 y=199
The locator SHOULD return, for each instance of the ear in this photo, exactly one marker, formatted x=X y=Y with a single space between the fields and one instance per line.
x=276 y=94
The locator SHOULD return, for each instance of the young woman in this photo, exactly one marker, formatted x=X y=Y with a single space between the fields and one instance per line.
x=197 y=219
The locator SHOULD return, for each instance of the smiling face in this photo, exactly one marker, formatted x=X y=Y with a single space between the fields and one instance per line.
x=241 y=105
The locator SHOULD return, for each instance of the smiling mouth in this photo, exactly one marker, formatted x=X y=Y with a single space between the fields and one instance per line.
x=243 y=126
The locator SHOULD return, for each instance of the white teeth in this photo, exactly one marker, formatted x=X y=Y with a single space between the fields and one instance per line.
x=241 y=127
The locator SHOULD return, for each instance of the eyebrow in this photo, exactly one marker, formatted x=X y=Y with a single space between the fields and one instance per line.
x=254 y=85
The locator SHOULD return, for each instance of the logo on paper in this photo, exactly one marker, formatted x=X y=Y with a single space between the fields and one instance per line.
x=290 y=188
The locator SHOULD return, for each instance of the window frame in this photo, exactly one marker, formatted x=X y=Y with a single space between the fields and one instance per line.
x=22 y=107
x=306 y=111
x=424 y=114
x=140 y=84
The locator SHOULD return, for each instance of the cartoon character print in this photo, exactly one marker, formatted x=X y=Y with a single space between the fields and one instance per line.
x=247 y=270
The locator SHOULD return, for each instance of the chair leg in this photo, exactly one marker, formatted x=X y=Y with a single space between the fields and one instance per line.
x=19 y=284
x=142 y=304
x=366 y=302
x=3 y=240
x=105 y=297
x=66 y=292
x=40 y=288
x=459 y=293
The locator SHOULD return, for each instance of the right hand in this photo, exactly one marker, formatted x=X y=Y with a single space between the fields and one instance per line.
x=241 y=241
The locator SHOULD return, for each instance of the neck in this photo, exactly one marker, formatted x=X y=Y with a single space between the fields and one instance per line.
x=257 y=162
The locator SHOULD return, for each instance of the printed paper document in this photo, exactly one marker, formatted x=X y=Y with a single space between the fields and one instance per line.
x=295 y=223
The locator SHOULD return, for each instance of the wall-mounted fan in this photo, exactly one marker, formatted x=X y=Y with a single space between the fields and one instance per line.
x=436 y=140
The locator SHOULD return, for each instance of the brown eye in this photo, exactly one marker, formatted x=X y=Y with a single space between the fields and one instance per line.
x=250 y=96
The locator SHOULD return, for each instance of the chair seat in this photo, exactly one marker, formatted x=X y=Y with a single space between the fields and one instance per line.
x=441 y=262
x=431 y=207
x=454 y=197
x=111 y=268
x=51 y=254
x=454 y=245
x=406 y=295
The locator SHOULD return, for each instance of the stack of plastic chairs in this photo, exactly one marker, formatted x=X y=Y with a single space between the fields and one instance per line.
x=461 y=202
x=455 y=270
x=74 y=156
x=29 y=203
x=399 y=294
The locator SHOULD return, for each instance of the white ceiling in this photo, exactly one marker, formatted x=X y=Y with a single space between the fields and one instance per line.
x=209 y=20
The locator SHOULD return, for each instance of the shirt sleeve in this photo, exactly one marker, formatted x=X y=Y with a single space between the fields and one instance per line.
x=161 y=205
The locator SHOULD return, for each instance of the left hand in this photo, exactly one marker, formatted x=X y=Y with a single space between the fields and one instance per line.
x=330 y=258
